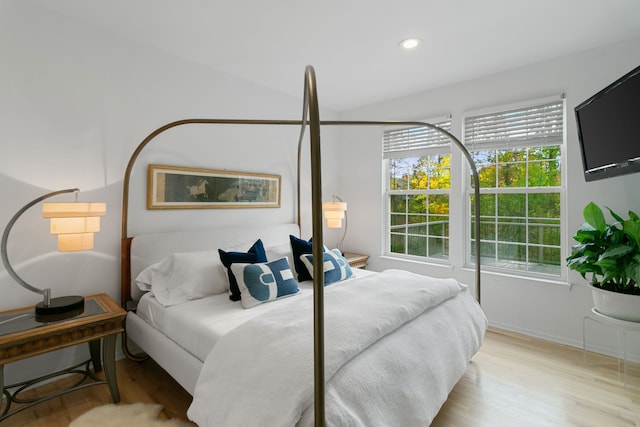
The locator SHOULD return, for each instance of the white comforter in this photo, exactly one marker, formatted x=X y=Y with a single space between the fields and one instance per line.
x=261 y=373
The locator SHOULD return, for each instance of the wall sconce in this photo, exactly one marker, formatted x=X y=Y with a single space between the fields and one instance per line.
x=74 y=223
x=334 y=212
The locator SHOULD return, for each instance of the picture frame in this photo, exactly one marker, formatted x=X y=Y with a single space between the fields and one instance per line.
x=176 y=187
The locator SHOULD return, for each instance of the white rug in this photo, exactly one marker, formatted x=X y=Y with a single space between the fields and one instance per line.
x=134 y=415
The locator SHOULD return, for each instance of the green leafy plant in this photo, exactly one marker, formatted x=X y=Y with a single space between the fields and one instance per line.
x=608 y=254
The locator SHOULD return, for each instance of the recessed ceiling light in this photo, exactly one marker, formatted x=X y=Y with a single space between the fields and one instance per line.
x=410 y=43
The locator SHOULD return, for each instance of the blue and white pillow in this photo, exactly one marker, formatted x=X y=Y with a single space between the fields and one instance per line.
x=264 y=282
x=335 y=267
x=301 y=247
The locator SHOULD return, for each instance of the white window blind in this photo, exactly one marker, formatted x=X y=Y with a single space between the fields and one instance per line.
x=528 y=126
x=414 y=141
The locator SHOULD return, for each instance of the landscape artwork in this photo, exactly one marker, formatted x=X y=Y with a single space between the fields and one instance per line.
x=175 y=187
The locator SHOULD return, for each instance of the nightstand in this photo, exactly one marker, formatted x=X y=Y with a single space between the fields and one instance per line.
x=21 y=337
x=356 y=260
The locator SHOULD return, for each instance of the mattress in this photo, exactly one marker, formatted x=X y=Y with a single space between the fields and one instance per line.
x=197 y=325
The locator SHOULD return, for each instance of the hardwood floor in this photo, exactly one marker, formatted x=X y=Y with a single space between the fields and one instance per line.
x=513 y=381
x=137 y=382
x=520 y=381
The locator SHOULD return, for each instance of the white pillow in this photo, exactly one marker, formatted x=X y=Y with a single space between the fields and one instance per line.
x=280 y=251
x=184 y=276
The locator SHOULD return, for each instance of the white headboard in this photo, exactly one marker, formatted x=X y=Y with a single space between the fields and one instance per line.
x=147 y=249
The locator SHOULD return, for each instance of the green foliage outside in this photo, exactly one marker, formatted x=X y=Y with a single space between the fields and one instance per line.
x=521 y=229
x=420 y=222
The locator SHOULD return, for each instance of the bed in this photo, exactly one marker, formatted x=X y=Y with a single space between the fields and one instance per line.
x=348 y=347
x=399 y=376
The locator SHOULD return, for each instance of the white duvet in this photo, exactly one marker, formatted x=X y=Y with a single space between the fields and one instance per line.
x=378 y=341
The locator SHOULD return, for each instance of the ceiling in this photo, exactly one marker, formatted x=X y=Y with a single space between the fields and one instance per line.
x=353 y=44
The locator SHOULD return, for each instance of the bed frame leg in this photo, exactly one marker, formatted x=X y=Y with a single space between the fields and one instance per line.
x=139 y=357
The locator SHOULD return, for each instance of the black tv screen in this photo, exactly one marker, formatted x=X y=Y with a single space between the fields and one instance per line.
x=608 y=125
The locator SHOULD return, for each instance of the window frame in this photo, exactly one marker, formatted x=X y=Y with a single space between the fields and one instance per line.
x=461 y=192
x=561 y=189
x=388 y=192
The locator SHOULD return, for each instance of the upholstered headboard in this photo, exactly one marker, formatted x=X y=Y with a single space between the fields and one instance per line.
x=147 y=249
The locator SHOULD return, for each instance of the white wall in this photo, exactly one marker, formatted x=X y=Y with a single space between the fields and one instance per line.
x=76 y=102
x=549 y=310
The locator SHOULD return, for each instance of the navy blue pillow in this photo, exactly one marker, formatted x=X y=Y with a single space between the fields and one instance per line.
x=255 y=254
x=300 y=247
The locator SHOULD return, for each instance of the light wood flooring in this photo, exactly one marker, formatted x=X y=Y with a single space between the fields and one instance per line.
x=513 y=381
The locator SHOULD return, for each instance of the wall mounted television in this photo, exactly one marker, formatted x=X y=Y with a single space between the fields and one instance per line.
x=608 y=124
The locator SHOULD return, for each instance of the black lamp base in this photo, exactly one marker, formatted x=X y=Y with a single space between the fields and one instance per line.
x=60 y=308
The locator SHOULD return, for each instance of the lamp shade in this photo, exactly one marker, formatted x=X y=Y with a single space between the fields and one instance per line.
x=334 y=213
x=74 y=223
x=73 y=209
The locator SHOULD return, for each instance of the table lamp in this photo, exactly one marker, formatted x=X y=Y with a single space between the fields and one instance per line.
x=74 y=223
x=334 y=212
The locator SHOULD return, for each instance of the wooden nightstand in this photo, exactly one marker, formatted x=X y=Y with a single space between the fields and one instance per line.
x=356 y=260
x=21 y=336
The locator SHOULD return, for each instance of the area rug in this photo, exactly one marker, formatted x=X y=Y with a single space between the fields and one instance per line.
x=134 y=415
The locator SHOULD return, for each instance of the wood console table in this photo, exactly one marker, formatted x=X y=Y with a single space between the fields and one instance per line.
x=21 y=337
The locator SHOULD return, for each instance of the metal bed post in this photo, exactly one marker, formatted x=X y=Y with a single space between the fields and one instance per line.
x=310 y=102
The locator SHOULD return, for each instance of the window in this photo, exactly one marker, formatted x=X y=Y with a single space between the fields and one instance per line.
x=518 y=154
x=418 y=183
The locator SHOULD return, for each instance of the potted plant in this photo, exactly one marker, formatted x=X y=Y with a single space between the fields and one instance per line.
x=608 y=256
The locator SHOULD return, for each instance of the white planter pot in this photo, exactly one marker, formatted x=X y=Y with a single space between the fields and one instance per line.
x=617 y=305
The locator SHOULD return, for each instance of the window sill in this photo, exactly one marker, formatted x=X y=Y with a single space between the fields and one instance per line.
x=469 y=272
x=418 y=261
x=519 y=277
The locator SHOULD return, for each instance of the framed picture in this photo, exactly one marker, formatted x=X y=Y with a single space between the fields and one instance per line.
x=173 y=187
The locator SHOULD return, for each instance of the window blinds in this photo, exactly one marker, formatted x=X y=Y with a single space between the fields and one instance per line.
x=414 y=141
x=536 y=125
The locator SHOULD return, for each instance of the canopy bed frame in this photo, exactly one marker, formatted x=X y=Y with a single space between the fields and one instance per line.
x=310 y=118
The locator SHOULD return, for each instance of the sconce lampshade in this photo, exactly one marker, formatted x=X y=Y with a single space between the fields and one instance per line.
x=334 y=213
x=74 y=223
